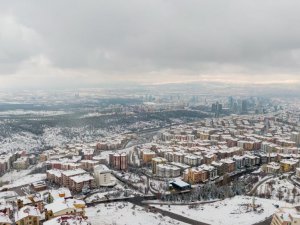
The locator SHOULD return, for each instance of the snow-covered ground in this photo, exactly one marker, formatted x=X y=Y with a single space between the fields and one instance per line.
x=29 y=179
x=118 y=191
x=7 y=194
x=96 y=114
x=14 y=175
x=132 y=177
x=17 y=141
x=109 y=195
x=126 y=214
x=21 y=112
x=236 y=210
x=52 y=136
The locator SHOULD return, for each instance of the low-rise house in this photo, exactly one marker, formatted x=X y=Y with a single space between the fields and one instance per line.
x=6 y=207
x=59 y=193
x=28 y=215
x=23 y=201
x=30 y=200
x=59 y=208
x=5 y=220
x=39 y=186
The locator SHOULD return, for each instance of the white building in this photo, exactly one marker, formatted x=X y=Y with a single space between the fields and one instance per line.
x=104 y=176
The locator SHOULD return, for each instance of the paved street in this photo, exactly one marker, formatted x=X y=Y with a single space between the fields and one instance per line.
x=138 y=201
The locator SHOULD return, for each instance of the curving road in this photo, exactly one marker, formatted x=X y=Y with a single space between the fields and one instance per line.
x=138 y=201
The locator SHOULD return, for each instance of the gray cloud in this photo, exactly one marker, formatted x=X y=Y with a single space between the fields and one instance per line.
x=97 y=40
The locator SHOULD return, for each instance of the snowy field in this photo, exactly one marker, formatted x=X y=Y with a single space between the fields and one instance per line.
x=126 y=214
x=108 y=195
x=29 y=179
x=99 y=196
x=20 y=112
x=118 y=191
x=17 y=141
x=236 y=210
x=7 y=194
x=95 y=114
x=14 y=175
x=53 y=137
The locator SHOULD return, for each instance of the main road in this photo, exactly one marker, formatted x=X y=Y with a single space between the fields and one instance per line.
x=139 y=201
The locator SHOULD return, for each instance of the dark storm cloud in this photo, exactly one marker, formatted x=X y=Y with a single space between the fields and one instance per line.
x=141 y=37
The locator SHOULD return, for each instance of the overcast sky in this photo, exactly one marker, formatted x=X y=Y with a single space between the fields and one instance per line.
x=70 y=43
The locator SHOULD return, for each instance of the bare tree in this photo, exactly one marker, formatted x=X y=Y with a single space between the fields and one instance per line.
x=279 y=194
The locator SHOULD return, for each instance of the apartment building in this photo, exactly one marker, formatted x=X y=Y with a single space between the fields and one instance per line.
x=156 y=161
x=195 y=175
x=66 y=176
x=104 y=176
x=78 y=182
x=118 y=161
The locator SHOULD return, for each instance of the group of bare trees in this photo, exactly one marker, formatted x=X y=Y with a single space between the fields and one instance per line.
x=208 y=191
x=282 y=193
